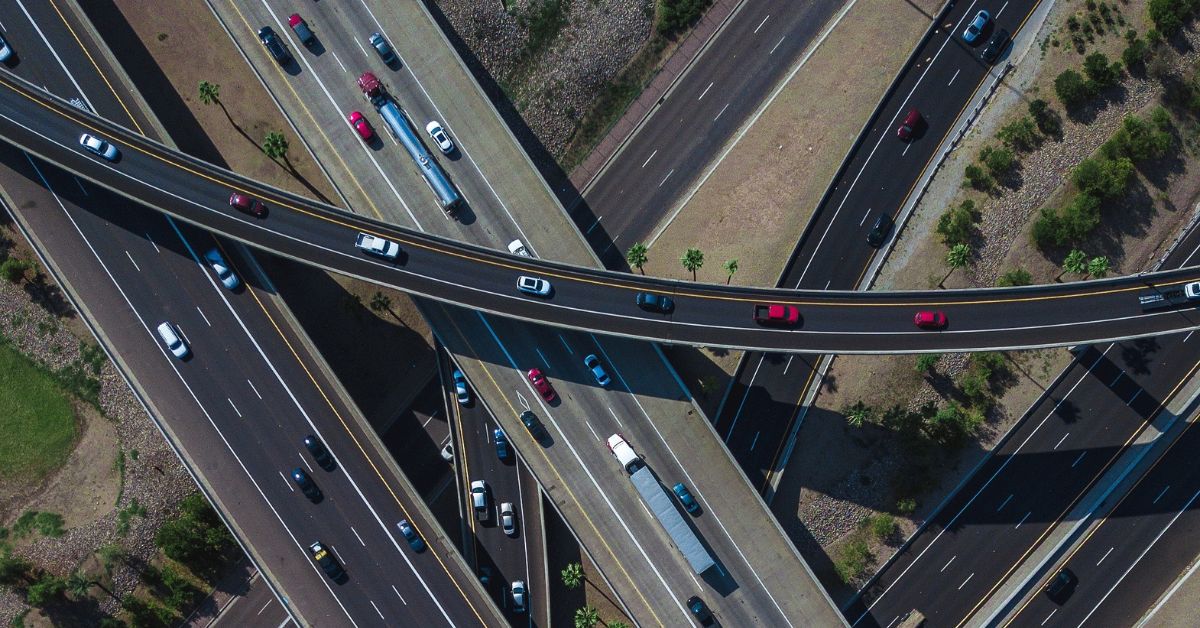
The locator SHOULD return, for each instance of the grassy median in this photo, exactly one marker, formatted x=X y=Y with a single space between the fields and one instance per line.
x=36 y=418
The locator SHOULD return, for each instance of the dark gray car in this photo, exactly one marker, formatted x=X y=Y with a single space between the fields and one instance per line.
x=995 y=46
x=384 y=49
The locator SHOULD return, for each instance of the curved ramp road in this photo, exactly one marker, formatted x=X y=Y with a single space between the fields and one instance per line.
x=594 y=300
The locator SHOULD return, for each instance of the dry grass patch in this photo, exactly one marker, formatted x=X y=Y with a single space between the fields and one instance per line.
x=756 y=203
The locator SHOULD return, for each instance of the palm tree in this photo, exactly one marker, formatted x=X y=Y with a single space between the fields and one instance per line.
x=857 y=414
x=572 y=575
x=730 y=268
x=1075 y=262
x=1098 y=267
x=956 y=258
x=692 y=260
x=380 y=302
x=275 y=145
x=78 y=585
x=210 y=93
x=586 y=617
x=636 y=256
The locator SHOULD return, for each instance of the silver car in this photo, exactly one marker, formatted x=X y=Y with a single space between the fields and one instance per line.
x=519 y=596
x=508 y=520
x=98 y=146
x=435 y=131
x=174 y=341
x=6 y=51
x=533 y=285
x=217 y=263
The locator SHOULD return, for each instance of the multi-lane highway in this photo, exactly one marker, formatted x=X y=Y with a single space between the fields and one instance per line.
x=239 y=408
x=582 y=298
x=1058 y=451
x=879 y=177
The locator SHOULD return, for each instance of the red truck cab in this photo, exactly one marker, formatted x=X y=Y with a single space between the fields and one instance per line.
x=776 y=314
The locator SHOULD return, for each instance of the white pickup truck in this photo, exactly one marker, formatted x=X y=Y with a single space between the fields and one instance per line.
x=378 y=247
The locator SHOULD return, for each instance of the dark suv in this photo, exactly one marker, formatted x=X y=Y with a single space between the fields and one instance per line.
x=274 y=45
x=535 y=427
x=879 y=231
x=995 y=46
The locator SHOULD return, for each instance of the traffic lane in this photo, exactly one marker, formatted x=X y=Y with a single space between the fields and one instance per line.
x=127 y=334
x=590 y=489
x=734 y=591
x=1038 y=328
x=417 y=437
x=256 y=607
x=1058 y=445
x=1138 y=549
x=534 y=539
x=725 y=84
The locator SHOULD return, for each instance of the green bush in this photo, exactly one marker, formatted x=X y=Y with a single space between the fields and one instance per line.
x=977 y=178
x=1140 y=139
x=1015 y=277
x=999 y=160
x=676 y=16
x=543 y=19
x=882 y=526
x=852 y=560
x=1072 y=89
x=1135 y=54
x=1102 y=178
x=1047 y=119
x=14 y=269
x=926 y=361
x=197 y=537
x=1100 y=72
x=1020 y=134
x=906 y=506
x=957 y=225
x=47 y=589
x=1169 y=15
x=13 y=569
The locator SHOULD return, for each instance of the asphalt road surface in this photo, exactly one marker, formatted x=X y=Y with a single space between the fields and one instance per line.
x=760 y=412
x=727 y=81
x=240 y=405
x=1047 y=463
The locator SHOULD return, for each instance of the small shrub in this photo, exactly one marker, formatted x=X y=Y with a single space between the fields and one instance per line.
x=1015 y=277
x=977 y=178
x=906 y=506
x=1020 y=134
x=957 y=225
x=14 y=270
x=926 y=362
x=1000 y=161
x=1072 y=89
x=1102 y=178
x=1135 y=54
x=1047 y=119
x=1100 y=72
x=852 y=560
x=47 y=589
x=676 y=16
x=1169 y=15
x=883 y=526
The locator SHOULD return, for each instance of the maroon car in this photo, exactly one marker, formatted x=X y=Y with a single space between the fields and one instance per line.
x=248 y=204
x=541 y=384
x=905 y=132
x=361 y=126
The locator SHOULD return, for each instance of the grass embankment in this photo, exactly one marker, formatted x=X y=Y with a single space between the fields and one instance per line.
x=36 y=417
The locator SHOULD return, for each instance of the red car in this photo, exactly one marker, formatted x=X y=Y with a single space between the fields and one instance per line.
x=905 y=132
x=361 y=125
x=930 y=320
x=248 y=204
x=541 y=384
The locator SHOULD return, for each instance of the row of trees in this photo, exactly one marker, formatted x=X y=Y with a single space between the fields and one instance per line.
x=586 y=617
x=691 y=260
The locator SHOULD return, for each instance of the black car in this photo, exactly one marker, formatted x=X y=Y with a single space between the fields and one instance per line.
x=306 y=484
x=1061 y=585
x=274 y=45
x=879 y=230
x=995 y=46
x=659 y=303
x=700 y=611
x=535 y=427
x=318 y=451
x=328 y=562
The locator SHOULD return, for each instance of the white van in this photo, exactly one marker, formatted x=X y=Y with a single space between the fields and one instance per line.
x=173 y=340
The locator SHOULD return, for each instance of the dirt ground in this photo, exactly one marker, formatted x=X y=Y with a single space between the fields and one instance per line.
x=379 y=388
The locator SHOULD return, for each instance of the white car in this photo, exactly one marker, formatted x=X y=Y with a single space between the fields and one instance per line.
x=479 y=499
x=379 y=247
x=448 y=452
x=517 y=247
x=6 y=51
x=173 y=340
x=228 y=279
x=508 y=520
x=533 y=285
x=98 y=146
x=519 y=596
x=435 y=131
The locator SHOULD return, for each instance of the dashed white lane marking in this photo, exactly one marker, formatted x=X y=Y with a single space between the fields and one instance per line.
x=399 y=596
x=1023 y=520
x=81 y=188
x=1160 y=494
x=360 y=541
x=649 y=158
x=335 y=58
x=615 y=417
x=564 y=341
x=203 y=316
x=864 y=218
x=1004 y=503
x=966 y=581
x=789 y=363
x=264 y=607
x=285 y=481
x=948 y=563
x=1060 y=441
x=364 y=50
x=339 y=556
x=755 y=441
x=139 y=268
x=906 y=147
x=1001 y=10
x=1104 y=556
x=545 y=362
x=235 y=408
x=777 y=45
x=254 y=389
x=1189 y=335
x=705 y=91
x=760 y=24
x=590 y=429
x=305 y=461
x=158 y=251
x=1081 y=455
x=1135 y=396
x=721 y=111
x=1052 y=612
x=664 y=180
x=589 y=231
x=377 y=610
x=953 y=77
